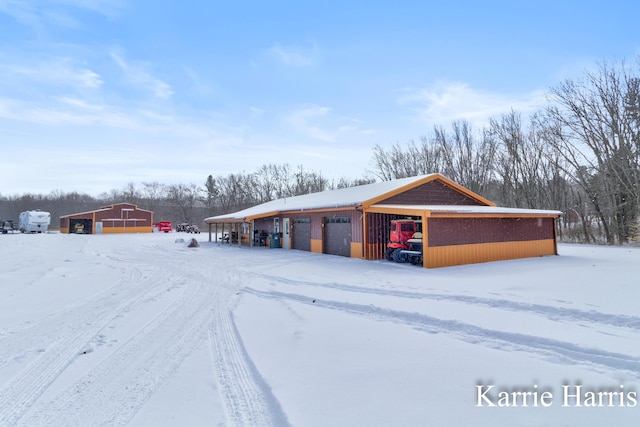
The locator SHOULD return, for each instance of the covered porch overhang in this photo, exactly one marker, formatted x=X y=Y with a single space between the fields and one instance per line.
x=233 y=229
x=228 y=230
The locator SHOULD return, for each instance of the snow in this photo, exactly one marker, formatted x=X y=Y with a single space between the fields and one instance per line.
x=141 y=330
x=472 y=209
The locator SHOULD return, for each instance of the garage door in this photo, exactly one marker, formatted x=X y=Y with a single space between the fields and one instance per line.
x=337 y=236
x=302 y=234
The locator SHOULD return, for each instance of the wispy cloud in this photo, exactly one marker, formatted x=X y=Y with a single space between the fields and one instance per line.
x=54 y=72
x=305 y=121
x=255 y=112
x=295 y=56
x=137 y=74
x=199 y=85
x=64 y=111
x=316 y=122
x=446 y=102
x=68 y=114
x=39 y=15
x=109 y=8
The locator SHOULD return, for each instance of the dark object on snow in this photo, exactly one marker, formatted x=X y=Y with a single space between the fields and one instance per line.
x=7 y=226
x=187 y=228
x=193 y=243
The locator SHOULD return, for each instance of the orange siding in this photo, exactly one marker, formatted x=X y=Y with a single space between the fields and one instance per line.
x=356 y=250
x=443 y=256
x=316 y=246
x=425 y=239
x=375 y=250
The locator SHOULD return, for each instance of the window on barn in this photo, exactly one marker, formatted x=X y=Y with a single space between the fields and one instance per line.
x=339 y=220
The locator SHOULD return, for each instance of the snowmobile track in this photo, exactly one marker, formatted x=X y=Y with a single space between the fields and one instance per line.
x=73 y=329
x=136 y=369
x=550 y=312
x=247 y=398
x=550 y=349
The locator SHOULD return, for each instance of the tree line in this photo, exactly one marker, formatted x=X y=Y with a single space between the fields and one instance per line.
x=189 y=203
x=579 y=153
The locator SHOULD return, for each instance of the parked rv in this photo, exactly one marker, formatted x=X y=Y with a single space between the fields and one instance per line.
x=34 y=221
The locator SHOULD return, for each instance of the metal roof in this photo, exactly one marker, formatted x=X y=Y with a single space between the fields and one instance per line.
x=362 y=195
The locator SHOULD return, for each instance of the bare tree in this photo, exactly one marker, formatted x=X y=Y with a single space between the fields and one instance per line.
x=306 y=182
x=272 y=182
x=344 y=182
x=398 y=163
x=593 y=124
x=522 y=165
x=236 y=191
x=460 y=155
x=465 y=157
x=184 y=198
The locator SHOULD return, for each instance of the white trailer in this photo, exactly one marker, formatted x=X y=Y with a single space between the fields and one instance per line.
x=34 y=221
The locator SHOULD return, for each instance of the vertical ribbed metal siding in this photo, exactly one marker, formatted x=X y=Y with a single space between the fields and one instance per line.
x=301 y=233
x=431 y=193
x=443 y=256
x=337 y=235
x=461 y=231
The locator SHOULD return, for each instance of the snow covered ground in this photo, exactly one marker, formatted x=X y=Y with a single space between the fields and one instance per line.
x=140 y=330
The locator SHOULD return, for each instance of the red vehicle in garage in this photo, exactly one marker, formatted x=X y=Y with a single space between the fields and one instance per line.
x=405 y=241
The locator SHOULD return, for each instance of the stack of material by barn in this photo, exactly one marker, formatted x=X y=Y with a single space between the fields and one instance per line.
x=458 y=225
x=117 y=218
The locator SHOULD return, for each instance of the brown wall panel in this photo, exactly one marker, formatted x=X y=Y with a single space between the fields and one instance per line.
x=117 y=217
x=317 y=218
x=431 y=193
x=462 y=231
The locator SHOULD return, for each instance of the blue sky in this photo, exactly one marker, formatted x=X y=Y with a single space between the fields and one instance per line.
x=95 y=94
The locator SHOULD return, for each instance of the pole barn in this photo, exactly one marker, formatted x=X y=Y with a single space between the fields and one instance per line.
x=117 y=218
x=458 y=225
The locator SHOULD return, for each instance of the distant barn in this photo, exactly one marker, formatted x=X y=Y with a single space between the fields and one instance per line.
x=458 y=225
x=117 y=218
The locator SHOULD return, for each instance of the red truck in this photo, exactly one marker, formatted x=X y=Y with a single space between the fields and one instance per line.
x=163 y=226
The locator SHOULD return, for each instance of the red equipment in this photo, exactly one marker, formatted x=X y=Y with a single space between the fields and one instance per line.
x=405 y=241
x=163 y=226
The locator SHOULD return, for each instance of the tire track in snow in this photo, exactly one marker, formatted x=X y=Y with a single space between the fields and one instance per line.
x=550 y=312
x=72 y=330
x=549 y=348
x=122 y=297
x=112 y=392
x=247 y=398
